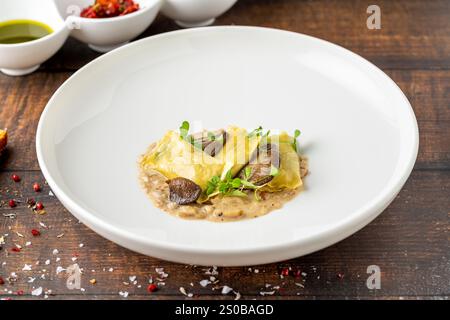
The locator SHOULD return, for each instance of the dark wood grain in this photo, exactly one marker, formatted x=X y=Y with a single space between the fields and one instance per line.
x=409 y=241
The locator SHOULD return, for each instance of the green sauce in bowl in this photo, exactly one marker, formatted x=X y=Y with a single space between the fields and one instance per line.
x=19 y=31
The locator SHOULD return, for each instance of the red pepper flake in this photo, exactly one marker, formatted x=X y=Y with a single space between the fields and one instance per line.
x=152 y=287
x=15 y=249
x=12 y=203
x=109 y=8
x=340 y=276
x=2 y=282
x=285 y=272
x=15 y=178
x=19 y=292
x=298 y=273
x=35 y=233
x=39 y=206
x=36 y=187
x=31 y=202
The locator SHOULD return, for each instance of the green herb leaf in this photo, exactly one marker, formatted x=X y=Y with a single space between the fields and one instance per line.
x=256 y=132
x=236 y=183
x=211 y=136
x=274 y=171
x=228 y=176
x=223 y=187
x=247 y=172
x=237 y=193
x=212 y=185
x=294 y=143
x=248 y=184
x=184 y=130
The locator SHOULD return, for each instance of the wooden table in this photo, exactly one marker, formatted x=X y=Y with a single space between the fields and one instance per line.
x=409 y=241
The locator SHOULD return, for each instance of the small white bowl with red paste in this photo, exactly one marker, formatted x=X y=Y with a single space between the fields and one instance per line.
x=103 y=32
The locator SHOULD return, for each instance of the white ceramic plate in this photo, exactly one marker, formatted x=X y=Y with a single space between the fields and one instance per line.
x=359 y=133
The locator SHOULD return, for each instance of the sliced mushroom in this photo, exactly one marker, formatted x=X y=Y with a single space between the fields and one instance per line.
x=183 y=191
x=259 y=168
x=211 y=142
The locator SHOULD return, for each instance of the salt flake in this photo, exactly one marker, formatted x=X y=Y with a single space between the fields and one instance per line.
x=204 y=282
x=267 y=293
x=26 y=267
x=59 y=269
x=37 y=292
x=226 y=290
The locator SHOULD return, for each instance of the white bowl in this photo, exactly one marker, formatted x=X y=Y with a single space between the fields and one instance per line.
x=105 y=34
x=195 y=13
x=23 y=58
x=359 y=133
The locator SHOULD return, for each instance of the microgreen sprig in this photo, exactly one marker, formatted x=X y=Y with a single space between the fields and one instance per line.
x=211 y=136
x=184 y=130
x=259 y=132
x=256 y=132
x=230 y=186
x=294 y=143
x=184 y=134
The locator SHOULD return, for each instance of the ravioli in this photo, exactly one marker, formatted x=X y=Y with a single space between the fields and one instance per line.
x=174 y=157
x=182 y=176
x=237 y=150
x=289 y=174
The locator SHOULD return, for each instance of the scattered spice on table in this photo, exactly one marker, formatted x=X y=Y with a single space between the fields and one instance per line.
x=31 y=202
x=36 y=187
x=285 y=272
x=152 y=287
x=39 y=206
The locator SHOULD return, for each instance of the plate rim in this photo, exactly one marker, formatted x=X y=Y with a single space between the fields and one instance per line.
x=350 y=225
